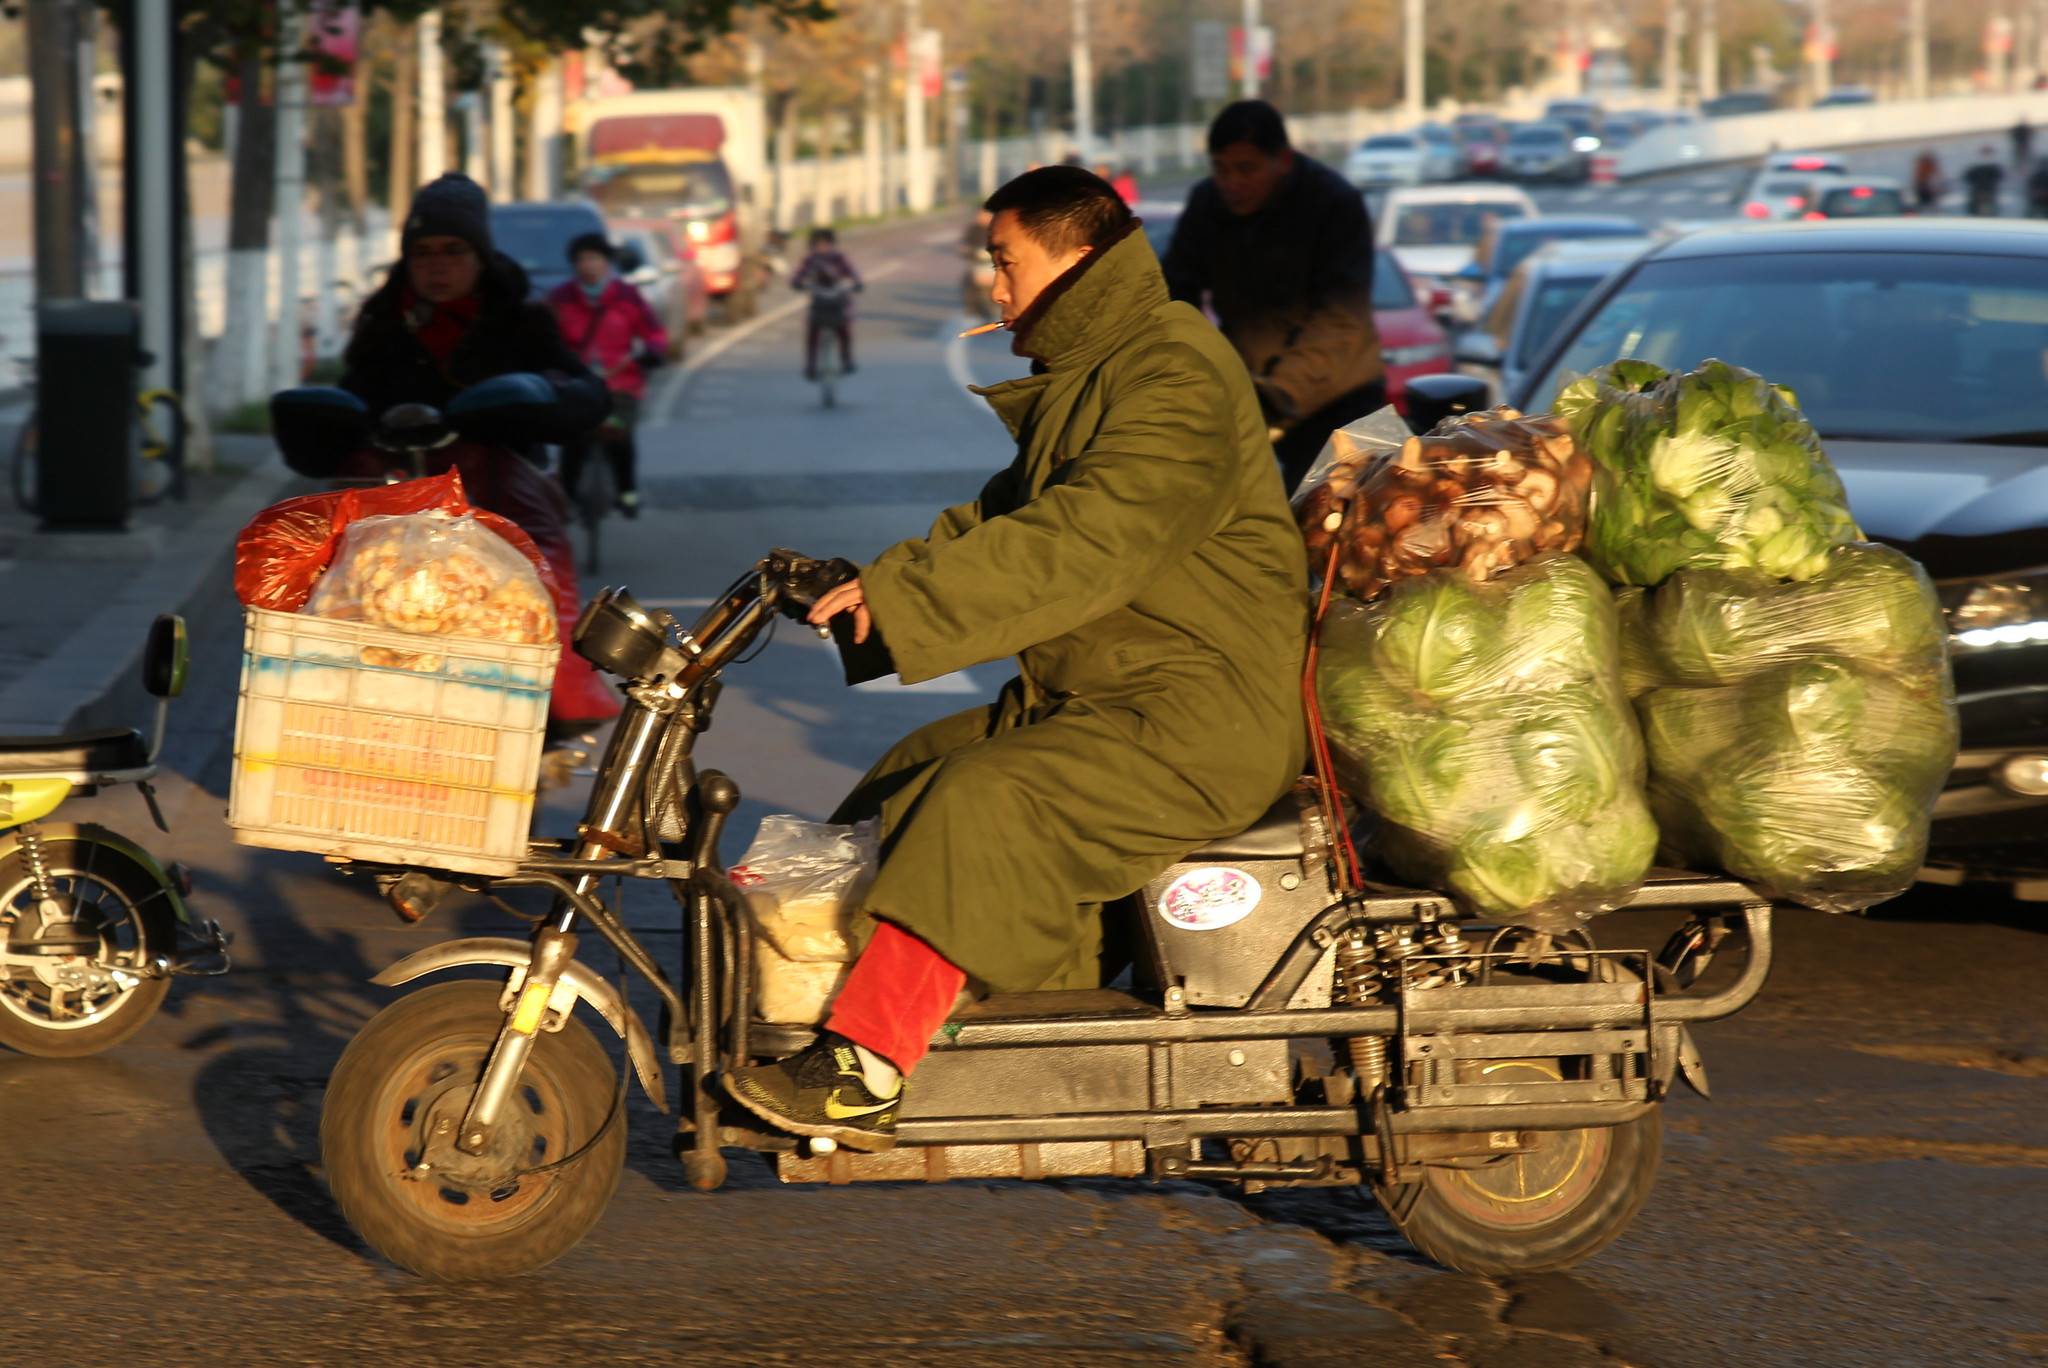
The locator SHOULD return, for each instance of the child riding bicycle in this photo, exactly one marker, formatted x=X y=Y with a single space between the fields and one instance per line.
x=831 y=281
x=615 y=332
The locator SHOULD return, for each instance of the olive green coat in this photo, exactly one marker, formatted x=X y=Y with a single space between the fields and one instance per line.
x=1139 y=558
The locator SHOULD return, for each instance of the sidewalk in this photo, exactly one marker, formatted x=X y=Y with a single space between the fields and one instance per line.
x=75 y=608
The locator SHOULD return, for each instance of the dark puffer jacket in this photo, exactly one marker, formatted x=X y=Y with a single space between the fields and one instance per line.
x=386 y=365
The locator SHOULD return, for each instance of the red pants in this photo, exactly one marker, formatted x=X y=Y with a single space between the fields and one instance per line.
x=900 y=992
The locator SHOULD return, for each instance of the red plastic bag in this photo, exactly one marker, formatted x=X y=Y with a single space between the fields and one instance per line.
x=285 y=549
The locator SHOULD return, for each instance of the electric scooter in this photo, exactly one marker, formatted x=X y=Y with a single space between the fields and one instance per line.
x=92 y=928
x=1499 y=1090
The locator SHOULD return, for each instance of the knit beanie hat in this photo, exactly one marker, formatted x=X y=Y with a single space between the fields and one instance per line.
x=590 y=242
x=452 y=206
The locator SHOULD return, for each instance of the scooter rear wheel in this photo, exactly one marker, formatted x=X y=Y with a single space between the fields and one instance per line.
x=1547 y=1209
x=76 y=1007
x=386 y=1137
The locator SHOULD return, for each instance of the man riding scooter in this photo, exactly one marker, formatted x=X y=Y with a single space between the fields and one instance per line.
x=454 y=312
x=1140 y=558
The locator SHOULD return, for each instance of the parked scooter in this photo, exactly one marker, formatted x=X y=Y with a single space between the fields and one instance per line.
x=1497 y=1089
x=92 y=928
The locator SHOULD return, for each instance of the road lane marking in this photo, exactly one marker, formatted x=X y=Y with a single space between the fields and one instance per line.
x=1877 y=1149
x=664 y=408
x=955 y=349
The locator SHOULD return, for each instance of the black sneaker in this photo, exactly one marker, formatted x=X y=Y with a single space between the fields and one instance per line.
x=819 y=1091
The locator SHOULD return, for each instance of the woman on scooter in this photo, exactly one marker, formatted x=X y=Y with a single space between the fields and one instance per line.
x=454 y=312
x=615 y=332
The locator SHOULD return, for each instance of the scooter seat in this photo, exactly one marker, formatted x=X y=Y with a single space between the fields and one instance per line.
x=98 y=752
x=1275 y=836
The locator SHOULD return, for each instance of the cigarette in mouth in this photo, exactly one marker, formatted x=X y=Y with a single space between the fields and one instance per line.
x=985 y=328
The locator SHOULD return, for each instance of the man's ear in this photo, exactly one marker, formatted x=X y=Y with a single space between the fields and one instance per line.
x=1286 y=160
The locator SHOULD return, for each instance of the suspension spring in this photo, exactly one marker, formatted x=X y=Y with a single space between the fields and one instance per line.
x=38 y=868
x=1360 y=984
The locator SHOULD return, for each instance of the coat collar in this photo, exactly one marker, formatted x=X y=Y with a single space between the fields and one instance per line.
x=1083 y=315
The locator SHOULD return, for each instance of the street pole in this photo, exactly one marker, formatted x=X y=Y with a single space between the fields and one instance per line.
x=1414 y=97
x=1250 y=73
x=1709 y=54
x=1916 y=49
x=151 y=153
x=500 y=87
x=1674 y=35
x=1082 y=66
x=290 y=194
x=1823 y=64
x=53 y=78
x=433 y=114
x=543 y=130
x=916 y=169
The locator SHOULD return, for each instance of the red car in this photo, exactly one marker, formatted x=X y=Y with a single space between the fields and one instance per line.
x=1479 y=137
x=1412 y=342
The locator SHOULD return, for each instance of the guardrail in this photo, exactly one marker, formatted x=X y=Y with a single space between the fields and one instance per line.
x=1705 y=142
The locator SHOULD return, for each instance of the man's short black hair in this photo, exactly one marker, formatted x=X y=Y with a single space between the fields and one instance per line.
x=1064 y=208
x=1249 y=121
x=824 y=235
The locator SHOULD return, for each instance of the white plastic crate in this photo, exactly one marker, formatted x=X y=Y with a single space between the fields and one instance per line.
x=433 y=765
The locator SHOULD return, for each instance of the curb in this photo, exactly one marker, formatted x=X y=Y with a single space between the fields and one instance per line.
x=93 y=678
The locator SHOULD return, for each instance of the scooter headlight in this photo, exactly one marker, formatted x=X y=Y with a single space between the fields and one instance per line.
x=620 y=637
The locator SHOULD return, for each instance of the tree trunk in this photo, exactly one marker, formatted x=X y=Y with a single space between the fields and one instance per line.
x=355 y=151
x=240 y=376
x=404 y=85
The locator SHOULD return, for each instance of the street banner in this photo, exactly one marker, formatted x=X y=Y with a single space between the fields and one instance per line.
x=334 y=30
x=1209 y=59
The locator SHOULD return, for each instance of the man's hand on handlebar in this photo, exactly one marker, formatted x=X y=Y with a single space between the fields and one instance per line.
x=845 y=597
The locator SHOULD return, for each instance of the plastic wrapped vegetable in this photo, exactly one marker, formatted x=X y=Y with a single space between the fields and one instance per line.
x=433 y=574
x=282 y=553
x=1713 y=468
x=1481 y=493
x=1487 y=727
x=1798 y=733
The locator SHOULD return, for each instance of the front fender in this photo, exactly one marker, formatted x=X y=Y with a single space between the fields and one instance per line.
x=91 y=833
x=579 y=982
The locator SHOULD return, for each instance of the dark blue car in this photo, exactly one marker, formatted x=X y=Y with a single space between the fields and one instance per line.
x=1509 y=242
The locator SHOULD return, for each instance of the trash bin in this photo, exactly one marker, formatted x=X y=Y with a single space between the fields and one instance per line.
x=86 y=352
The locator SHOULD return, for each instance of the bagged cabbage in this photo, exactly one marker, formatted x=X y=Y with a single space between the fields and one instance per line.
x=1482 y=492
x=1486 y=726
x=433 y=574
x=1713 y=468
x=1798 y=733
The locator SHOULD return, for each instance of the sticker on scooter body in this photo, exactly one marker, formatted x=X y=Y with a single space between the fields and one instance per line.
x=1210 y=898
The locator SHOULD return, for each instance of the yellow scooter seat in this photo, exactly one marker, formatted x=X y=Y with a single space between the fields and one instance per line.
x=96 y=752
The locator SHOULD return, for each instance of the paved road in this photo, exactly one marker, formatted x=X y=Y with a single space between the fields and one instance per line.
x=1866 y=1189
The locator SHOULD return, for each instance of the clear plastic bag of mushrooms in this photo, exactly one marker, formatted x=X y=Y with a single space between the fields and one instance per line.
x=1480 y=493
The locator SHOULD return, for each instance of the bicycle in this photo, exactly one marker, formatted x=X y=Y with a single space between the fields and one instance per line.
x=161 y=416
x=829 y=304
x=595 y=495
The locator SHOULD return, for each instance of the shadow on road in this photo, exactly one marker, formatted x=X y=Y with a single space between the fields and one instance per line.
x=259 y=1098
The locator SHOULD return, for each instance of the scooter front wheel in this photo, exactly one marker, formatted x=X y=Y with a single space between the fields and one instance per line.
x=387 y=1137
x=108 y=912
x=1552 y=1207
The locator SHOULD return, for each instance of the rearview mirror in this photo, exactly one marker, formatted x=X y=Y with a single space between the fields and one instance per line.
x=165 y=657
